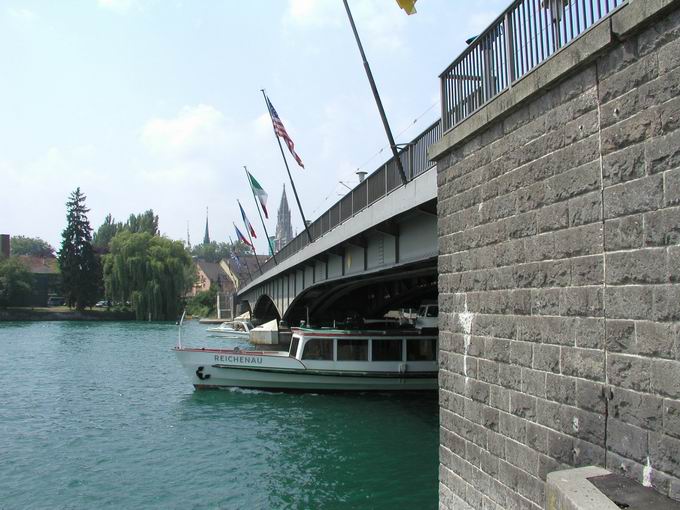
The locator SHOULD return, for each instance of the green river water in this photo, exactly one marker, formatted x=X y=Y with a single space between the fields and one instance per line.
x=100 y=415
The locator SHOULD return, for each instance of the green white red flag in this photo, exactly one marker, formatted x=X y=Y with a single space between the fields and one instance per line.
x=259 y=193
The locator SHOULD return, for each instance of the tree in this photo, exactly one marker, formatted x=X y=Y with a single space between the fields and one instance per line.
x=241 y=249
x=16 y=281
x=31 y=246
x=102 y=237
x=152 y=272
x=145 y=222
x=80 y=272
x=213 y=251
x=204 y=303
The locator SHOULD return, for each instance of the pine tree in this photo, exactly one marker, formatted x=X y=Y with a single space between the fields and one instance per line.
x=80 y=272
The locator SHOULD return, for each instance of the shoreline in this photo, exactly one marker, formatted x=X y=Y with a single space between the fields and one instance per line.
x=41 y=314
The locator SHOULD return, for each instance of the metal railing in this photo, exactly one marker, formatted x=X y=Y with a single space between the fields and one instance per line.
x=377 y=185
x=524 y=36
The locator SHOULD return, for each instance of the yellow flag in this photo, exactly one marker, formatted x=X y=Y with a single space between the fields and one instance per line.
x=408 y=5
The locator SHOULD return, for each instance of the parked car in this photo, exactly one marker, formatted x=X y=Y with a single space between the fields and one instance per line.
x=55 y=301
x=428 y=316
x=104 y=303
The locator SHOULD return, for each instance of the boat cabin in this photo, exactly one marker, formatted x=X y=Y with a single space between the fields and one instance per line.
x=366 y=346
x=243 y=326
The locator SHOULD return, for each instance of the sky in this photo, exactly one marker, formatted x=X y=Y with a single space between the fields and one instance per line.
x=156 y=104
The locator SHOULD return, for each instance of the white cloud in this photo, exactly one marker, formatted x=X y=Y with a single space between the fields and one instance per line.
x=196 y=157
x=120 y=6
x=194 y=132
x=21 y=13
x=313 y=14
x=381 y=26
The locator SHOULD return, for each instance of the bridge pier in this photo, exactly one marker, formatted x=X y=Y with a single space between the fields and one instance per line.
x=559 y=281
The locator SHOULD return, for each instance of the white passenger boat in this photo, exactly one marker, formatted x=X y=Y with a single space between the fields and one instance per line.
x=321 y=360
x=237 y=328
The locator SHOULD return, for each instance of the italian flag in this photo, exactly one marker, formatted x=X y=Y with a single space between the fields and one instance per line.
x=259 y=193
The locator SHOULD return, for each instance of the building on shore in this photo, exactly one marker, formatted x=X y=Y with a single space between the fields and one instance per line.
x=228 y=275
x=209 y=274
x=4 y=245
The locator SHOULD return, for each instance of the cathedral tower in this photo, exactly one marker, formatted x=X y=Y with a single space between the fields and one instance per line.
x=284 y=229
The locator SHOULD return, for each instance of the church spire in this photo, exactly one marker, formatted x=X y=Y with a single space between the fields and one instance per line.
x=284 y=228
x=206 y=236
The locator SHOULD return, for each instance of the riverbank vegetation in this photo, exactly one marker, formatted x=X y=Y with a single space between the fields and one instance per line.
x=15 y=281
x=64 y=313
x=152 y=272
x=203 y=304
x=33 y=246
x=128 y=264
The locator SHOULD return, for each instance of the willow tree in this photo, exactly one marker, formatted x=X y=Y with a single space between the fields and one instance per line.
x=152 y=272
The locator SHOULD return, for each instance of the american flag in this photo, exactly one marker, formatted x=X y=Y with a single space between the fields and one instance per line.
x=281 y=131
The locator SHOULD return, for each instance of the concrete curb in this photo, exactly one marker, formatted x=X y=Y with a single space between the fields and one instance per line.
x=571 y=490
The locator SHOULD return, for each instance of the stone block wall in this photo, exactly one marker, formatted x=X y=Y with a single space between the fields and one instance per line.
x=559 y=281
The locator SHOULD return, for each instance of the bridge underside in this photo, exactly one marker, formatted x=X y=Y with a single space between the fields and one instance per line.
x=368 y=296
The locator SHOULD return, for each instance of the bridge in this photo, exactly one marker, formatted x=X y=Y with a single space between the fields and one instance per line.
x=557 y=197
x=373 y=251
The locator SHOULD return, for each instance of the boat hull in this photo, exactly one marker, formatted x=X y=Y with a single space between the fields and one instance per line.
x=228 y=333
x=279 y=372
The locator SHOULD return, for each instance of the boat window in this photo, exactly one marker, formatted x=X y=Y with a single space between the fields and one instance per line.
x=422 y=311
x=294 y=347
x=421 y=349
x=319 y=348
x=352 y=350
x=432 y=311
x=386 y=350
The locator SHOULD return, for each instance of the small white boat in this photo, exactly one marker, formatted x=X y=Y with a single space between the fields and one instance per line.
x=237 y=328
x=321 y=360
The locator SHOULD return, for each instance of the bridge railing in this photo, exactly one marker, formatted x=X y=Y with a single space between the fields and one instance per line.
x=376 y=185
x=524 y=36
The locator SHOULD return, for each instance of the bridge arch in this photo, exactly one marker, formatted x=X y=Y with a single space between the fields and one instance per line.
x=265 y=309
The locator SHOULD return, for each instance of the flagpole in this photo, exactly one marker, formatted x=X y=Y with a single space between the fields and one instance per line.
x=378 y=102
x=283 y=155
x=257 y=206
x=252 y=244
x=247 y=268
